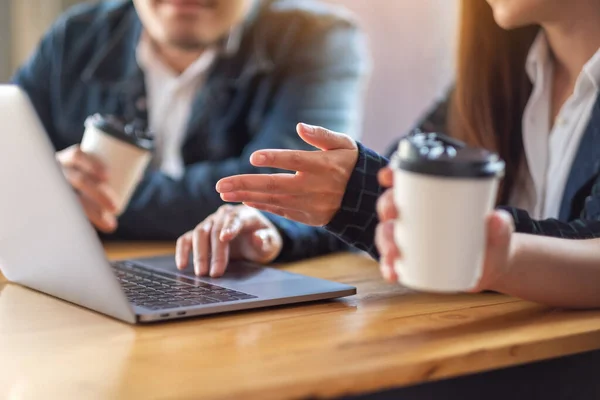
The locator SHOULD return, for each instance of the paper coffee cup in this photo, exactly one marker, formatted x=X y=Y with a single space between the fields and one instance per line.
x=444 y=192
x=126 y=153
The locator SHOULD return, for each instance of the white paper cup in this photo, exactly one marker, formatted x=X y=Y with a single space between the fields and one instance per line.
x=125 y=159
x=440 y=231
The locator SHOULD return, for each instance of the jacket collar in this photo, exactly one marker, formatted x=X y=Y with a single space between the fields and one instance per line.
x=585 y=168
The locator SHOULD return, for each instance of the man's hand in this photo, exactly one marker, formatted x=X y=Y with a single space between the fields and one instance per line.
x=88 y=176
x=231 y=233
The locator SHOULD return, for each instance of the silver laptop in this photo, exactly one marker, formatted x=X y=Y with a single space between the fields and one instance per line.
x=47 y=244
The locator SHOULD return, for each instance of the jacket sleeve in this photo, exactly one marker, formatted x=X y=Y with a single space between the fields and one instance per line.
x=353 y=226
x=324 y=87
x=37 y=74
x=587 y=226
x=303 y=241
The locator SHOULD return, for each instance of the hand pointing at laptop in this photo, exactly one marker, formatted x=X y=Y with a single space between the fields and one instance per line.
x=313 y=194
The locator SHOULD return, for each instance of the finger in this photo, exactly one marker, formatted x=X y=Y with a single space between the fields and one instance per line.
x=389 y=252
x=201 y=246
x=102 y=220
x=500 y=225
x=499 y=228
x=386 y=208
x=307 y=204
x=271 y=183
x=324 y=139
x=282 y=212
x=380 y=243
x=183 y=249
x=75 y=158
x=385 y=176
x=265 y=246
x=219 y=249
x=291 y=160
x=386 y=267
x=385 y=241
x=231 y=227
x=99 y=193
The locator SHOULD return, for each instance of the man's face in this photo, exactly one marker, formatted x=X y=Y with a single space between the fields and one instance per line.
x=190 y=24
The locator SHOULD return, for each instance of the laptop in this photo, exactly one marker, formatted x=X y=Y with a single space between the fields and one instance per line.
x=47 y=244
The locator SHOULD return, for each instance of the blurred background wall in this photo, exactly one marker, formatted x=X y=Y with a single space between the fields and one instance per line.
x=412 y=44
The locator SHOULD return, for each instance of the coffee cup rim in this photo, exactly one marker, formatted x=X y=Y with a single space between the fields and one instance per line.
x=100 y=123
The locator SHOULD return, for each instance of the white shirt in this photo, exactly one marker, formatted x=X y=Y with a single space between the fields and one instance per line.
x=551 y=148
x=169 y=98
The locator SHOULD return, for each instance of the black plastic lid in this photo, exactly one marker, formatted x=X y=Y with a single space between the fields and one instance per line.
x=440 y=155
x=133 y=133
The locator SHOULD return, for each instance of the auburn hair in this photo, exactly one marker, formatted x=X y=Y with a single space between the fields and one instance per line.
x=492 y=87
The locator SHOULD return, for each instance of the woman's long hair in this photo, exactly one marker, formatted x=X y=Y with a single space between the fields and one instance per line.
x=492 y=87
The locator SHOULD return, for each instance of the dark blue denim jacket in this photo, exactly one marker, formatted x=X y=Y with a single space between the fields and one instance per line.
x=298 y=61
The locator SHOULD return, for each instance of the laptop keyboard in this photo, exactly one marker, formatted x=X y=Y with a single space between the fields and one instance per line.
x=158 y=290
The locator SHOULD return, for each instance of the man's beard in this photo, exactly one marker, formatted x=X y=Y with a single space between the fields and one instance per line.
x=189 y=44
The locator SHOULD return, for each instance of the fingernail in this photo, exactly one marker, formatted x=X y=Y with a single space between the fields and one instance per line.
x=260 y=159
x=225 y=232
x=309 y=129
x=386 y=273
x=266 y=243
x=224 y=187
x=110 y=220
x=229 y=197
x=178 y=261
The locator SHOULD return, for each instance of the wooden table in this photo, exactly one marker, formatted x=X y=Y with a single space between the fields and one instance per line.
x=384 y=337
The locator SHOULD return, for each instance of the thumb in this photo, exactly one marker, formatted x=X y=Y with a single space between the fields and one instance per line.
x=324 y=139
x=261 y=246
x=500 y=227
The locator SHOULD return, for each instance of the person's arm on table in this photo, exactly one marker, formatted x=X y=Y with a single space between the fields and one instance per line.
x=552 y=271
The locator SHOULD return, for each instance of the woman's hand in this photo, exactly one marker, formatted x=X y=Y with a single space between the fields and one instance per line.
x=312 y=195
x=231 y=233
x=498 y=251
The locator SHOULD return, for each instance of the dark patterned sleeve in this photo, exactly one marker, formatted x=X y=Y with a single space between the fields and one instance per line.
x=356 y=220
x=303 y=241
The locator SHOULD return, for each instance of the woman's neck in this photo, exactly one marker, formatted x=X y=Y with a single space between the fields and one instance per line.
x=573 y=43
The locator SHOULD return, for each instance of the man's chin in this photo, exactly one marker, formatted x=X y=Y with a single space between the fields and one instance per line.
x=188 y=44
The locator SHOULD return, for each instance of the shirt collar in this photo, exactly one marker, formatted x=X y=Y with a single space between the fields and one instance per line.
x=592 y=70
x=538 y=57
x=149 y=61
